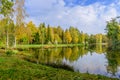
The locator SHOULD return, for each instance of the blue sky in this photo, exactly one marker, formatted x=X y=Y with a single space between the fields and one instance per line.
x=89 y=16
x=88 y=2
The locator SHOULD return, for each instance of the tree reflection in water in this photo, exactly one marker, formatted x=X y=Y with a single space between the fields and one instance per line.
x=95 y=59
x=113 y=62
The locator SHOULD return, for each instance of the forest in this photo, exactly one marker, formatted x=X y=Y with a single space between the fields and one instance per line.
x=14 y=30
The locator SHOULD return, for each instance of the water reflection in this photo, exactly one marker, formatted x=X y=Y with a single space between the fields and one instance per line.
x=113 y=63
x=95 y=64
x=94 y=60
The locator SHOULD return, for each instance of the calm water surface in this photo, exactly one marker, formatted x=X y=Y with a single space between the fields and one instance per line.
x=94 y=60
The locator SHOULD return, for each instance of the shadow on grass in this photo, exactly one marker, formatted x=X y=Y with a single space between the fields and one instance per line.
x=54 y=65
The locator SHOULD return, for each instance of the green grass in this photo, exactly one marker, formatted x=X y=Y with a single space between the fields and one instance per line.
x=15 y=68
x=47 y=45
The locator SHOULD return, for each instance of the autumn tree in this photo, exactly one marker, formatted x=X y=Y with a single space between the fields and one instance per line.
x=50 y=35
x=36 y=38
x=31 y=30
x=42 y=32
x=92 y=39
x=11 y=33
x=20 y=15
x=57 y=34
x=6 y=11
x=68 y=37
x=2 y=32
x=104 y=38
x=82 y=38
x=98 y=38
x=63 y=37
x=113 y=32
x=21 y=34
x=86 y=39
x=59 y=31
x=74 y=34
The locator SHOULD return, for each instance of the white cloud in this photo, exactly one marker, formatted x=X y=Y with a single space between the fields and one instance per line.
x=90 y=19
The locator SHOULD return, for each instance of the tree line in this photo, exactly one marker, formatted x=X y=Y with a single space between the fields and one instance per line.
x=31 y=34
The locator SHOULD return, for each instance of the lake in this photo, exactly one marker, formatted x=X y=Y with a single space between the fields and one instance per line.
x=93 y=60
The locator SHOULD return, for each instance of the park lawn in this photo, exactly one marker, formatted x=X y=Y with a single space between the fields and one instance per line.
x=47 y=45
x=15 y=68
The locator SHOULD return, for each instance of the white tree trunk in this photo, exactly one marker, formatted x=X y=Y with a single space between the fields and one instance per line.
x=15 y=42
x=7 y=40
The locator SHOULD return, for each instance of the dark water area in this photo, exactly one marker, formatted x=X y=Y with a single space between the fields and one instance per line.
x=93 y=60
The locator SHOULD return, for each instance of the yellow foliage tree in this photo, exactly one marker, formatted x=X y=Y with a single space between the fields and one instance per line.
x=68 y=37
x=31 y=30
x=21 y=34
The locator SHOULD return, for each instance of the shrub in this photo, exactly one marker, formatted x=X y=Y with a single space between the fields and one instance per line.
x=9 y=52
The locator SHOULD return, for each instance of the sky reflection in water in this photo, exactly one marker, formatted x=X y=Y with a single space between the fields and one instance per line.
x=92 y=63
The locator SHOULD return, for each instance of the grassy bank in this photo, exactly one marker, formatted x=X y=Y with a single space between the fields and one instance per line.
x=47 y=45
x=15 y=68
